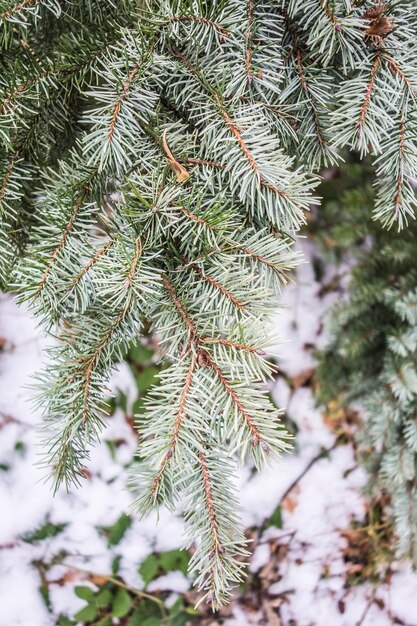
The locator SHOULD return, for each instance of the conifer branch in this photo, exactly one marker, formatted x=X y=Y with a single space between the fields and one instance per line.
x=68 y=228
x=245 y=150
x=121 y=97
x=205 y=358
x=179 y=417
x=17 y=7
x=7 y=175
x=158 y=169
x=200 y=20
x=91 y=262
x=368 y=94
x=229 y=344
x=221 y=288
x=249 y=35
x=216 y=545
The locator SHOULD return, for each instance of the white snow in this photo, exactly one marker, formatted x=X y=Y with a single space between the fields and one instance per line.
x=260 y=557
x=172 y=581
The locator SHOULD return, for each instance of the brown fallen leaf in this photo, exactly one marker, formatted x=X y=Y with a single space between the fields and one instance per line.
x=180 y=171
x=272 y=617
x=268 y=572
x=98 y=580
x=302 y=378
x=355 y=568
x=290 y=502
x=69 y=577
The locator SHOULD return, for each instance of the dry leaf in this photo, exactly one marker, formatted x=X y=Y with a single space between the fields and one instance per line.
x=302 y=378
x=272 y=618
x=268 y=571
x=180 y=171
x=98 y=580
x=291 y=501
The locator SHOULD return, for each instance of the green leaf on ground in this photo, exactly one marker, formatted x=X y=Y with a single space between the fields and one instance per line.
x=87 y=614
x=122 y=603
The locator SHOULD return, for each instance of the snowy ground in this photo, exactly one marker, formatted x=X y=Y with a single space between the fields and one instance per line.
x=301 y=567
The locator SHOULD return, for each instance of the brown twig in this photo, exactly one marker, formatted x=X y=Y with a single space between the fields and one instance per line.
x=89 y=366
x=61 y=243
x=7 y=175
x=121 y=98
x=214 y=164
x=396 y=68
x=181 y=173
x=197 y=219
x=92 y=261
x=237 y=303
x=367 y=99
x=17 y=7
x=248 y=60
x=210 y=502
x=15 y=93
x=230 y=344
x=201 y=20
x=180 y=415
x=308 y=467
x=233 y=128
x=135 y=260
x=179 y=306
x=400 y=179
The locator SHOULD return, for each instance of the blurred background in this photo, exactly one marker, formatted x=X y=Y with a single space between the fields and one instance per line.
x=329 y=546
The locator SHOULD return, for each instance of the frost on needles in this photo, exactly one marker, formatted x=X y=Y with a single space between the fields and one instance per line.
x=156 y=160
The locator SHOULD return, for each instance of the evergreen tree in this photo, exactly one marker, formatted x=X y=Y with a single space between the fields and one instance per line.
x=371 y=362
x=157 y=159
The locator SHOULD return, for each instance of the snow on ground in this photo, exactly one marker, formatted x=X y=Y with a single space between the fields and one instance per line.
x=308 y=583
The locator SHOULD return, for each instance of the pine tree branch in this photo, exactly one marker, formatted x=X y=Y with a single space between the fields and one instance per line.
x=225 y=292
x=249 y=35
x=18 y=7
x=368 y=94
x=180 y=416
x=400 y=177
x=206 y=359
x=320 y=134
x=216 y=544
x=121 y=97
x=230 y=344
x=91 y=262
x=7 y=175
x=201 y=20
x=171 y=155
x=67 y=231
x=233 y=128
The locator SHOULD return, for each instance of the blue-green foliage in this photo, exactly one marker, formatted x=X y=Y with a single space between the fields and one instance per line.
x=372 y=360
x=156 y=161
